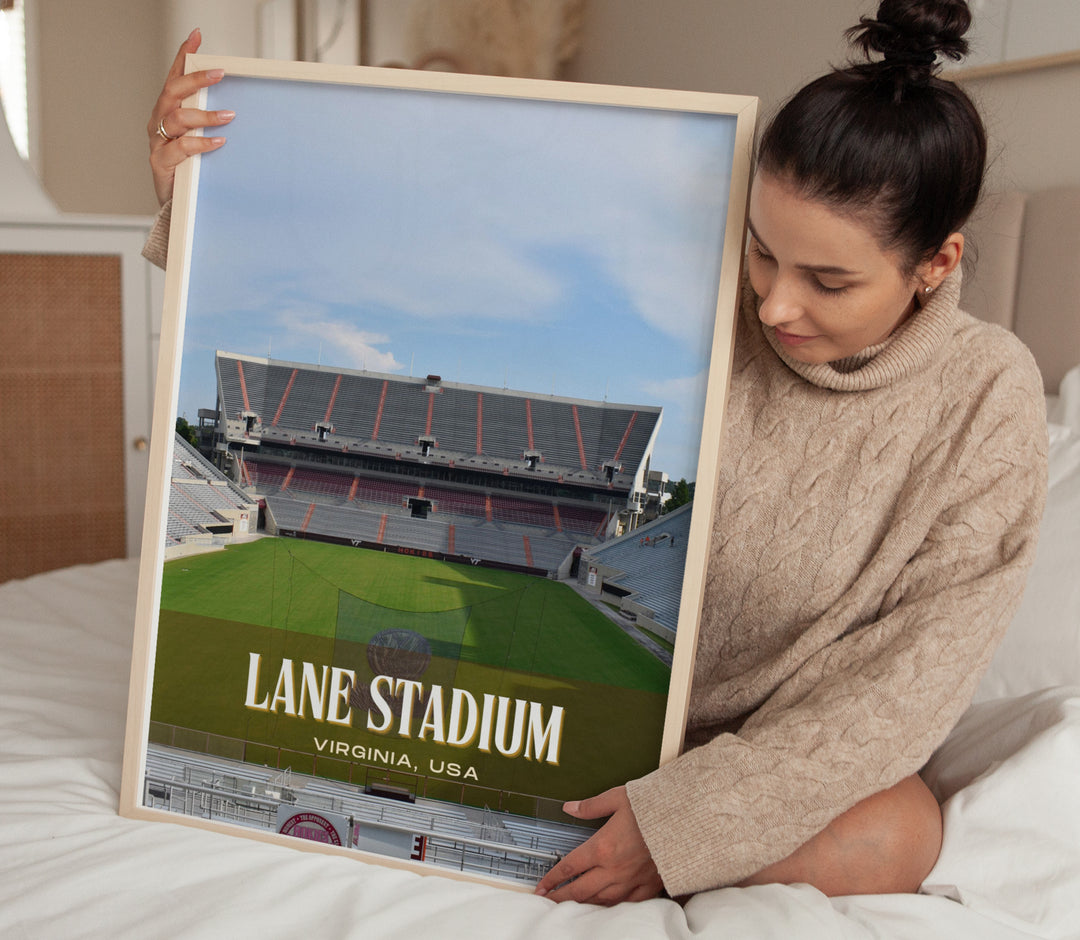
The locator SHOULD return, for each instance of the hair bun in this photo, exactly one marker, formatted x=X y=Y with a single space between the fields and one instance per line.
x=913 y=33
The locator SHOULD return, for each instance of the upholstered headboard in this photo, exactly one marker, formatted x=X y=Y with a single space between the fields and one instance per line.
x=1026 y=277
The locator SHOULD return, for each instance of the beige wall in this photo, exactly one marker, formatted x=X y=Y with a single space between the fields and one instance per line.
x=1034 y=127
x=228 y=26
x=765 y=48
x=99 y=71
x=770 y=47
x=101 y=66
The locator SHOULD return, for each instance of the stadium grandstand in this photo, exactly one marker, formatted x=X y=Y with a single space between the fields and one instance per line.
x=206 y=508
x=479 y=841
x=469 y=473
x=642 y=571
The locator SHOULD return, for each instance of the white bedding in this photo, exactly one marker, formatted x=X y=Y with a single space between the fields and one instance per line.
x=71 y=867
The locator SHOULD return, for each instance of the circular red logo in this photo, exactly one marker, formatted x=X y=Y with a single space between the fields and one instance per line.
x=311 y=826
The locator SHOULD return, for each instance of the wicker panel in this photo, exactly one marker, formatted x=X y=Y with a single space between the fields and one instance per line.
x=61 y=412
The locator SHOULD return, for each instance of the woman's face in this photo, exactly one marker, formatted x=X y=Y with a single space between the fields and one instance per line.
x=826 y=287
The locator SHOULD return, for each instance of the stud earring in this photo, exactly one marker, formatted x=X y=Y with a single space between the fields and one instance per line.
x=928 y=289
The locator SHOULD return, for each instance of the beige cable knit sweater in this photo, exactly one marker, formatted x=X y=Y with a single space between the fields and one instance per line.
x=876 y=520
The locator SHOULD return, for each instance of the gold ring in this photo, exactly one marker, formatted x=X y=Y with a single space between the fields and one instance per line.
x=163 y=134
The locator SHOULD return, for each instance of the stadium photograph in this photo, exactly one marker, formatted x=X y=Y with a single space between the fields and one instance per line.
x=414 y=614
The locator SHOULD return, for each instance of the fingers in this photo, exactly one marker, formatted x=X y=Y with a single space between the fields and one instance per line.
x=177 y=120
x=602 y=884
x=177 y=90
x=164 y=161
x=189 y=45
x=614 y=864
x=182 y=120
x=176 y=152
x=597 y=807
x=563 y=871
x=179 y=86
x=170 y=122
x=587 y=888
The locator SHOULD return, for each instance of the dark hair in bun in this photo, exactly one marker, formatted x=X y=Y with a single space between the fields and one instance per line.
x=911 y=36
x=885 y=138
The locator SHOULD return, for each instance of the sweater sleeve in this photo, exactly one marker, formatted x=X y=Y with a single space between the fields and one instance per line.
x=869 y=709
x=156 y=249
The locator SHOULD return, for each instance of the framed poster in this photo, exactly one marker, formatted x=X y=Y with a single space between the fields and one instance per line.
x=441 y=348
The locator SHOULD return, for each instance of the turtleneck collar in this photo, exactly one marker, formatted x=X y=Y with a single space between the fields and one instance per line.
x=909 y=350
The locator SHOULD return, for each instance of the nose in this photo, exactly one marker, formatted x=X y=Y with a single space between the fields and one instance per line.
x=779 y=304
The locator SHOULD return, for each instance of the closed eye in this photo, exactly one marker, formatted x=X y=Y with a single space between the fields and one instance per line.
x=758 y=252
x=761 y=254
x=833 y=291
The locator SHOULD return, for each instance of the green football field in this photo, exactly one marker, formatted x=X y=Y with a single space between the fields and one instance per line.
x=492 y=633
x=512 y=620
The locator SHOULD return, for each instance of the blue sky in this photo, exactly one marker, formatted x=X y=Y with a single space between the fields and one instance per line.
x=542 y=246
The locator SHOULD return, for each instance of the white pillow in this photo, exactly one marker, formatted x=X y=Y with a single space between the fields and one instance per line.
x=1064 y=408
x=1042 y=646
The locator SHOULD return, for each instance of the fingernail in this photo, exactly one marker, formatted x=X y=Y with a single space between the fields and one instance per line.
x=572 y=807
x=217 y=141
x=226 y=115
x=540 y=892
x=216 y=73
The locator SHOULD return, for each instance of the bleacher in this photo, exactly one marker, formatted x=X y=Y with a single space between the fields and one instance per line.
x=505 y=430
x=357 y=406
x=264 y=476
x=290 y=399
x=178 y=529
x=581 y=520
x=347 y=524
x=649 y=563
x=351 y=507
x=307 y=402
x=203 y=502
x=454 y=419
x=456 y=502
x=521 y=546
x=320 y=482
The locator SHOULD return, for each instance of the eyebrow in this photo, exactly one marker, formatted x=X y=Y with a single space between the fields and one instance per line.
x=814 y=268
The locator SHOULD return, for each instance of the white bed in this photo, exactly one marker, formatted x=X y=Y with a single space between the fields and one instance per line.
x=71 y=867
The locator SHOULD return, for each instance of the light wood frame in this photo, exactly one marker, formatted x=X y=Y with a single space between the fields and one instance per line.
x=715 y=351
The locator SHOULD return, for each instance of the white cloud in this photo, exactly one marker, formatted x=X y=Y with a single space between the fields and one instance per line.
x=345 y=344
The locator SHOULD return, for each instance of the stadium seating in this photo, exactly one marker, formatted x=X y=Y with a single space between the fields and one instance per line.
x=296 y=398
x=433 y=429
x=528 y=512
x=202 y=500
x=651 y=560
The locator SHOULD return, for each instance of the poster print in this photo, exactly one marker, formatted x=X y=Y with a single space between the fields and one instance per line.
x=436 y=349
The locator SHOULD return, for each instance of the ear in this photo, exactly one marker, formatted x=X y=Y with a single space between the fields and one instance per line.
x=945 y=260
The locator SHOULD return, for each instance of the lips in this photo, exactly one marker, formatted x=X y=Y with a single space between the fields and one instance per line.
x=791 y=339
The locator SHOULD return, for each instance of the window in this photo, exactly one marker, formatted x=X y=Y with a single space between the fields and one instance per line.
x=13 y=93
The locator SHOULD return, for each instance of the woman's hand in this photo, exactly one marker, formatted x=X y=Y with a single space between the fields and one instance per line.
x=613 y=865
x=174 y=121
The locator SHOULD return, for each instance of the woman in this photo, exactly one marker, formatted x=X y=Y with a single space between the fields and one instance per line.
x=882 y=481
